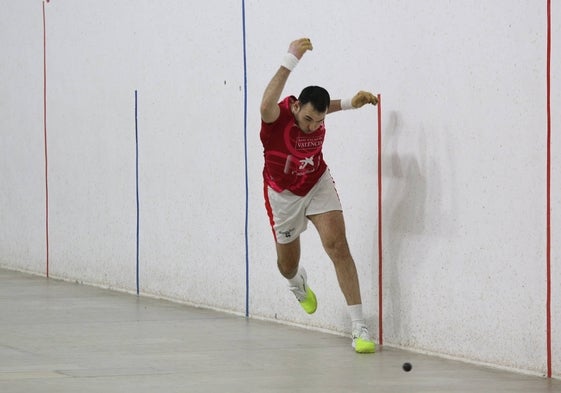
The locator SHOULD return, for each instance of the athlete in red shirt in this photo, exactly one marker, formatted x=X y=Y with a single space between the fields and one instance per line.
x=293 y=158
x=298 y=186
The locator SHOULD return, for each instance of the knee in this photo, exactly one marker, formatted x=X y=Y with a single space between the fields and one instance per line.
x=288 y=256
x=337 y=247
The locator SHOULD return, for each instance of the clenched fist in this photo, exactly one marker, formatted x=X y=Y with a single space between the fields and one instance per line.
x=362 y=98
x=300 y=46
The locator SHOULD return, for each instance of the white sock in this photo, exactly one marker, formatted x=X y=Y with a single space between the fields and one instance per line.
x=296 y=281
x=296 y=284
x=355 y=311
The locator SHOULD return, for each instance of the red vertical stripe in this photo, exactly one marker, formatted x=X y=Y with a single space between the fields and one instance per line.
x=380 y=287
x=45 y=139
x=269 y=209
x=548 y=180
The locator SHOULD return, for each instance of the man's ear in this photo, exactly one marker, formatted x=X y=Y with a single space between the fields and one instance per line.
x=295 y=107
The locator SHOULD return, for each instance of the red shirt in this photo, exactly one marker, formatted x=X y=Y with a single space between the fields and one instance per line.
x=293 y=159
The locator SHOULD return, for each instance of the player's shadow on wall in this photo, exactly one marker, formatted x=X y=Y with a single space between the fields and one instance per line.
x=420 y=216
x=404 y=201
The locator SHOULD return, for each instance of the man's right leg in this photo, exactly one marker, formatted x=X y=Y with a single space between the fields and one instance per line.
x=288 y=257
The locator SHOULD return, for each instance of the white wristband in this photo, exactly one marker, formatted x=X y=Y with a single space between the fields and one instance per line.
x=346 y=103
x=289 y=61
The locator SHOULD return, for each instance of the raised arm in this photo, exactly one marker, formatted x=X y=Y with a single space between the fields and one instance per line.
x=360 y=99
x=269 y=103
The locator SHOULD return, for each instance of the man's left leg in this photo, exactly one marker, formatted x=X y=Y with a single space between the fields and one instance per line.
x=331 y=229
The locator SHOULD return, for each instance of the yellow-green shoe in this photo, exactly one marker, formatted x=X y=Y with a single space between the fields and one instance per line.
x=362 y=343
x=310 y=303
x=302 y=291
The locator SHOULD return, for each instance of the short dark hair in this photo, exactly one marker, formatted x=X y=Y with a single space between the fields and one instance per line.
x=317 y=96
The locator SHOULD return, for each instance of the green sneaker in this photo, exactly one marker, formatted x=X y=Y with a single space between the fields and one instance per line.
x=304 y=294
x=362 y=343
x=310 y=303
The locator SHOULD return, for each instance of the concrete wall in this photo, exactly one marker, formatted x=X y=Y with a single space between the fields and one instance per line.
x=464 y=159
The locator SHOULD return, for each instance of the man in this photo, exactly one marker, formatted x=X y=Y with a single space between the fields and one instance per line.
x=298 y=186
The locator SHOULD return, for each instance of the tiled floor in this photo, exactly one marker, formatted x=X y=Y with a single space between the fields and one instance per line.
x=62 y=337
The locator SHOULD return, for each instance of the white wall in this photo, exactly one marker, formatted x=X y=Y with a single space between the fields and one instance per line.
x=464 y=159
x=22 y=184
x=555 y=182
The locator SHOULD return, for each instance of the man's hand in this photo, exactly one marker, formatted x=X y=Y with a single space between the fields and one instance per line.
x=362 y=98
x=299 y=47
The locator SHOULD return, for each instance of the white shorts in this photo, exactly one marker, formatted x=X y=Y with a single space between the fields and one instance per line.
x=288 y=213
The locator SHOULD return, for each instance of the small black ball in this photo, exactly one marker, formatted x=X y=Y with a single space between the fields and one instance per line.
x=407 y=367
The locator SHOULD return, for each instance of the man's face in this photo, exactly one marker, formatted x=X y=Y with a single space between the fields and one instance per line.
x=306 y=117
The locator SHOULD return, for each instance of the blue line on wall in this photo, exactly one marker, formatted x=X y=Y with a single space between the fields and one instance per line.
x=245 y=156
x=137 y=200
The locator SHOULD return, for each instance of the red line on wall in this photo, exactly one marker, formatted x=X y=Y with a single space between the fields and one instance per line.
x=548 y=193
x=45 y=139
x=380 y=287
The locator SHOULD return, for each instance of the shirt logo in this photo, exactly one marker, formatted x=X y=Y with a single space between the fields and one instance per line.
x=309 y=142
x=305 y=162
x=294 y=166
